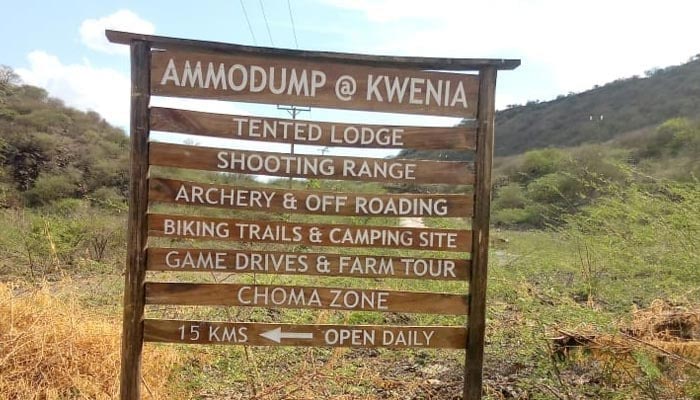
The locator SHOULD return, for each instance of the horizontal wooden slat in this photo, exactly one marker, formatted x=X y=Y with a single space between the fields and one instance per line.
x=309 y=202
x=272 y=80
x=241 y=295
x=206 y=228
x=275 y=262
x=265 y=334
x=433 y=63
x=310 y=132
x=312 y=167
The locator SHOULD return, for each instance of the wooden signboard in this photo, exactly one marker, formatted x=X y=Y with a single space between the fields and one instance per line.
x=209 y=294
x=207 y=70
x=245 y=231
x=326 y=264
x=259 y=334
x=308 y=202
x=312 y=133
x=272 y=80
x=313 y=167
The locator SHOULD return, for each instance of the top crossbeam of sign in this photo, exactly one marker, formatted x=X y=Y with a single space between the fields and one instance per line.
x=310 y=80
x=425 y=63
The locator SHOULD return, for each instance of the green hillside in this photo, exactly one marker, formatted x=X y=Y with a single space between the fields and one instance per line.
x=594 y=116
x=602 y=113
x=49 y=151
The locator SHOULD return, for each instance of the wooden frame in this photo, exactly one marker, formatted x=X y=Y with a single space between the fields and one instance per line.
x=137 y=291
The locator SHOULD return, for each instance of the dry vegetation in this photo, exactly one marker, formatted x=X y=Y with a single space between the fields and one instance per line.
x=53 y=348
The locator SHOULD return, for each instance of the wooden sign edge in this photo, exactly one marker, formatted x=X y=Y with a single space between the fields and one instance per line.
x=152 y=328
x=173 y=293
x=206 y=124
x=462 y=271
x=155 y=195
x=204 y=158
x=162 y=59
x=463 y=247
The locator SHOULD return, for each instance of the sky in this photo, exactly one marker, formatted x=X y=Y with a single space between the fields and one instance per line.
x=565 y=46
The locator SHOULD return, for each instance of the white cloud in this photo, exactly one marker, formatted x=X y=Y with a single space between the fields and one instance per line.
x=570 y=45
x=82 y=86
x=103 y=90
x=92 y=31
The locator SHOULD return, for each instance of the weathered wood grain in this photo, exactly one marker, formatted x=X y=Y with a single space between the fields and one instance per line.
x=132 y=323
x=275 y=262
x=322 y=335
x=308 y=166
x=270 y=199
x=272 y=80
x=242 y=295
x=431 y=63
x=480 y=224
x=336 y=235
x=331 y=134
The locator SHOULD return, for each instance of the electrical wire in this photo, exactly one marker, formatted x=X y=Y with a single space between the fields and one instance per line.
x=250 y=27
x=294 y=29
x=267 y=25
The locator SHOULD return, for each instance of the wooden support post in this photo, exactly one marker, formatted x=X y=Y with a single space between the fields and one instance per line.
x=134 y=295
x=480 y=240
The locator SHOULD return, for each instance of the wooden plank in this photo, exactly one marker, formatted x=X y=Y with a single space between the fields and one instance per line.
x=434 y=63
x=480 y=224
x=326 y=335
x=312 y=133
x=206 y=228
x=308 y=202
x=242 y=295
x=308 y=166
x=273 y=80
x=276 y=262
x=132 y=325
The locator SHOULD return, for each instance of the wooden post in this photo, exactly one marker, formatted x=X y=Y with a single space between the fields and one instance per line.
x=476 y=324
x=134 y=295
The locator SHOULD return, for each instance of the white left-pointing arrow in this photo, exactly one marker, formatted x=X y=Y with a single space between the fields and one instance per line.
x=276 y=335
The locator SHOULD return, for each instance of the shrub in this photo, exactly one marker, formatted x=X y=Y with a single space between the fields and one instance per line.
x=558 y=188
x=510 y=196
x=542 y=162
x=108 y=198
x=530 y=216
x=51 y=187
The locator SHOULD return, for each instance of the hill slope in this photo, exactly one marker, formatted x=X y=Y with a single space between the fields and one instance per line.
x=594 y=116
x=49 y=151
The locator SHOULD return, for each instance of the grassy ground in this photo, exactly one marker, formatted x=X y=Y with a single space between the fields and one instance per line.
x=573 y=312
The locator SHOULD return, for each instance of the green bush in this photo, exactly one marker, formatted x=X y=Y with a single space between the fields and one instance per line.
x=518 y=217
x=537 y=163
x=51 y=187
x=510 y=196
x=557 y=188
x=649 y=230
x=8 y=114
x=64 y=237
x=108 y=198
x=43 y=119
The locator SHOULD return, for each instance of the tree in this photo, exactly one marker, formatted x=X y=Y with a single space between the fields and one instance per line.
x=8 y=81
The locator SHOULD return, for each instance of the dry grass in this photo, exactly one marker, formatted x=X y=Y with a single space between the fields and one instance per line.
x=662 y=321
x=661 y=327
x=55 y=349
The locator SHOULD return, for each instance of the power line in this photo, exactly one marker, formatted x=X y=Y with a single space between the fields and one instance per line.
x=250 y=27
x=266 y=24
x=294 y=29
